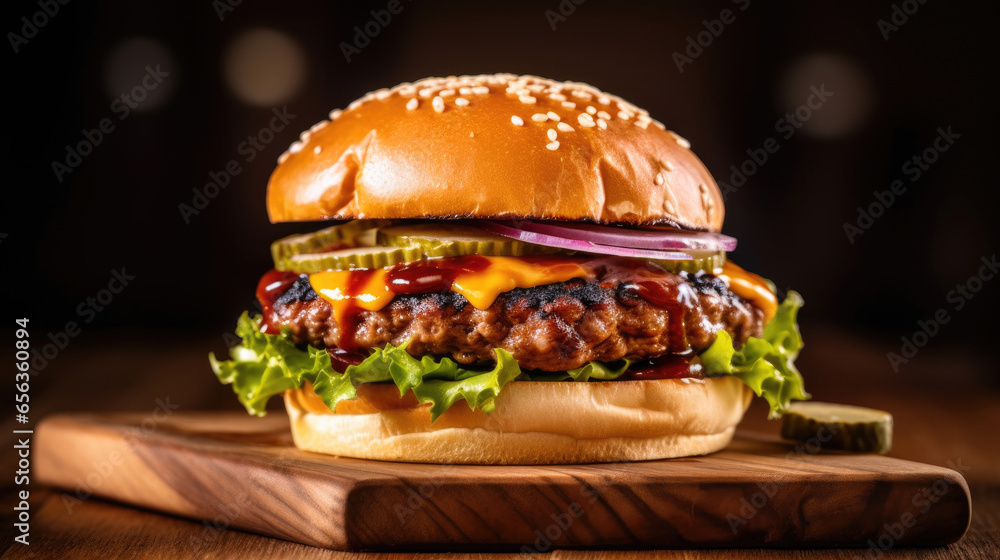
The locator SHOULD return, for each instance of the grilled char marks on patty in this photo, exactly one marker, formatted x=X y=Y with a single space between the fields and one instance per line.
x=553 y=327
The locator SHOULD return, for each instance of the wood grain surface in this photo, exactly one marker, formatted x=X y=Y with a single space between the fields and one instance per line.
x=232 y=470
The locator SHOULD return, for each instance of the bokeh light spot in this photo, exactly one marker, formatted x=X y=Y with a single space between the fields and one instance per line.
x=264 y=67
x=142 y=70
x=852 y=96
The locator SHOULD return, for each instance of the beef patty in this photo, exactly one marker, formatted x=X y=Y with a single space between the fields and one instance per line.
x=552 y=328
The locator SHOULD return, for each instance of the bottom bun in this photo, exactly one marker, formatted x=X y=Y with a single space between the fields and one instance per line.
x=535 y=422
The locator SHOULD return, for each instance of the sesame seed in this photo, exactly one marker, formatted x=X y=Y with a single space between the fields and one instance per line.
x=304 y=136
x=565 y=127
x=591 y=110
x=283 y=157
x=641 y=123
x=551 y=134
x=426 y=92
x=318 y=126
x=659 y=179
x=585 y=120
x=517 y=120
x=480 y=90
x=553 y=145
x=702 y=188
x=382 y=94
x=604 y=100
x=524 y=91
x=670 y=207
x=602 y=123
x=536 y=88
x=659 y=125
x=355 y=104
x=447 y=93
x=317 y=150
x=335 y=114
x=296 y=147
x=569 y=104
x=552 y=116
x=668 y=166
x=680 y=140
x=539 y=117
x=527 y=99
x=624 y=115
x=472 y=135
x=461 y=101
x=412 y=104
x=465 y=91
x=604 y=115
x=438 y=104
x=557 y=97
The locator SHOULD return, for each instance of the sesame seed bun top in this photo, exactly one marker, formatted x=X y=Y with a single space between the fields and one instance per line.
x=494 y=146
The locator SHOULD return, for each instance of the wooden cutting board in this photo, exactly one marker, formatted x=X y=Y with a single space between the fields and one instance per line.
x=236 y=471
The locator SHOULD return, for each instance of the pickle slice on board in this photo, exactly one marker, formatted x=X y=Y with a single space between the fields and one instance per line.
x=349 y=259
x=320 y=240
x=838 y=426
x=438 y=240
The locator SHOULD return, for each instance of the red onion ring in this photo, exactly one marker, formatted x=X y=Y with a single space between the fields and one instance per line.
x=620 y=237
x=578 y=244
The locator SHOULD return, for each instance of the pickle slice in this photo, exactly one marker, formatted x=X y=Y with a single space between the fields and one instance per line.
x=349 y=259
x=320 y=240
x=838 y=426
x=438 y=240
x=707 y=262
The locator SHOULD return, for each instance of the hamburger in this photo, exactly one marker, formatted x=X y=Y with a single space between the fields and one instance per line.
x=514 y=270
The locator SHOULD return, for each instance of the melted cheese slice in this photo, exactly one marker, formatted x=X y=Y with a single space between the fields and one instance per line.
x=506 y=273
x=750 y=287
x=372 y=295
x=481 y=288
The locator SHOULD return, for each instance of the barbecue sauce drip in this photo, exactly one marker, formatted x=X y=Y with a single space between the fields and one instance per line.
x=269 y=289
x=670 y=366
x=667 y=297
x=340 y=359
x=438 y=275
x=347 y=312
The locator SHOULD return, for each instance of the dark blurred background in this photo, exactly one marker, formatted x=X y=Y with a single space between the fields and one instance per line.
x=900 y=73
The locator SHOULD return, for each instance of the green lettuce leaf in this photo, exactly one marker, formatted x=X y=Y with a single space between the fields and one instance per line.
x=266 y=365
x=766 y=365
x=597 y=371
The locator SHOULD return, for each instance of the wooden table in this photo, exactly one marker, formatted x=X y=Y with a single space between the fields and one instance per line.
x=946 y=409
